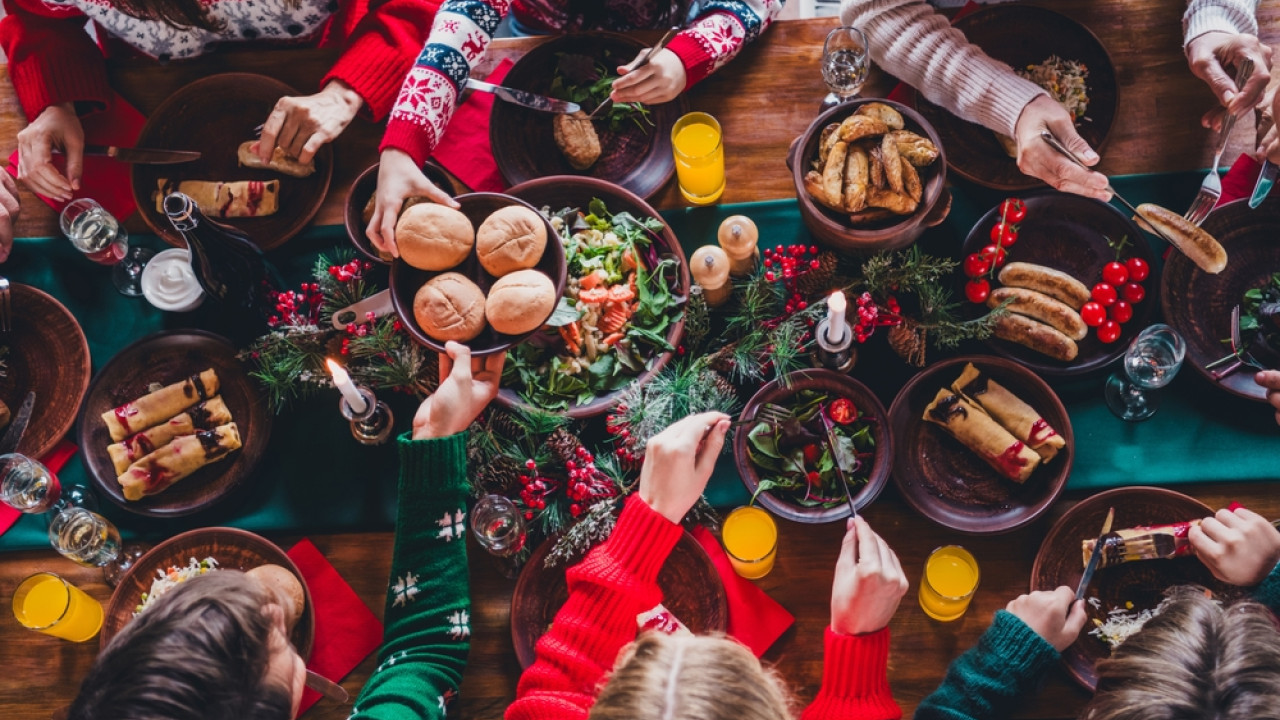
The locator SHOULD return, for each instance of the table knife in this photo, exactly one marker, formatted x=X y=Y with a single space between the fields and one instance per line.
x=1266 y=179
x=11 y=439
x=835 y=459
x=378 y=303
x=1096 y=556
x=142 y=156
x=527 y=99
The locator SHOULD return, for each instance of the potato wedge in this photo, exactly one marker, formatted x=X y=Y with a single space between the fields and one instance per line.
x=911 y=181
x=870 y=215
x=856 y=127
x=833 y=174
x=892 y=164
x=813 y=186
x=856 y=172
x=876 y=173
x=915 y=148
x=885 y=114
x=890 y=200
x=830 y=134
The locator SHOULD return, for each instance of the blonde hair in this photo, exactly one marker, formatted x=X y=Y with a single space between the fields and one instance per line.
x=670 y=677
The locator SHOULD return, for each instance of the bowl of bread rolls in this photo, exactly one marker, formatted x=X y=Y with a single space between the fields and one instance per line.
x=358 y=210
x=870 y=175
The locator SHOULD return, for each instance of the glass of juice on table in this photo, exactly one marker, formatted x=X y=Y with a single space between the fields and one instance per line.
x=96 y=233
x=950 y=579
x=46 y=603
x=699 y=152
x=751 y=540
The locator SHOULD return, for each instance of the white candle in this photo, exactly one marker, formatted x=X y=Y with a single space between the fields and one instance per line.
x=836 y=306
x=342 y=381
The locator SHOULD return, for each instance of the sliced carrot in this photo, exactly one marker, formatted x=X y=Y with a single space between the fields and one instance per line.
x=592 y=279
x=613 y=338
x=594 y=295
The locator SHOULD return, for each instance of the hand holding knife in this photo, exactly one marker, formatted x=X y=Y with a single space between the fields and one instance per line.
x=1092 y=567
x=835 y=458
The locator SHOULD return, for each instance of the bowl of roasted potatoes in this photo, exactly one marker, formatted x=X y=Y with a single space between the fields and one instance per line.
x=870 y=175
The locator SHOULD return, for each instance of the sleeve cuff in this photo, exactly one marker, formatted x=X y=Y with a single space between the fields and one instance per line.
x=415 y=141
x=377 y=80
x=1016 y=646
x=857 y=667
x=1268 y=592
x=1229 y=16
x=695 y=58
x=642 y=540
x=433 y=468
x=1007 y=104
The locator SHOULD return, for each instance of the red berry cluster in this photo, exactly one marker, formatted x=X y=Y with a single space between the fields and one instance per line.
x=980 y=266
x=353 y=270
x=586 y=483
x=537 y=488
x=872 y=316
x=617 y=426
x=1113 y=299
x=297 y=307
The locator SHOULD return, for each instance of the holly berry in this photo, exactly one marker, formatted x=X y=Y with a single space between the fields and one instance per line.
x=1133 y=292
x=1104 y=294
x=975 y=266
x=1138 y=269
x=977 y=290
x=1013 y=210
x=1122 y=312
x=1004 y=234
x=995 y=254
x=843 y=411
x=1109 y=331
x=1093 y=314
x=812 y=453
x=1116 y=273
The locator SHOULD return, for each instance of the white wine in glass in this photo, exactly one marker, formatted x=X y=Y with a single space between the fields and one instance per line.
x=845 y=63
x=1150 y=363
x=96 y=233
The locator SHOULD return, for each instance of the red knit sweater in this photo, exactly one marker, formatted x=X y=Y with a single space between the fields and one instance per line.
x=616 y=582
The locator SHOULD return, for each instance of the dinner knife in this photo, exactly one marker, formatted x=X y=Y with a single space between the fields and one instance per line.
x=835 y=459
x=1266 y=179
x=527 y=99
x=1092 y=567
x=11 y=439
x=142 y=156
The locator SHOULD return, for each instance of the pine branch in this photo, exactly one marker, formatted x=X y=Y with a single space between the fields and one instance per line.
x=904 y=271
x=758 y=300
x=593 y=527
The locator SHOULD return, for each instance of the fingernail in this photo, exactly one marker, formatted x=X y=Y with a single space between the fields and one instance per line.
x=1090 y=156
x=1228 y=97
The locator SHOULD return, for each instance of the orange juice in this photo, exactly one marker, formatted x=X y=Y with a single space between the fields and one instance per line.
x=699 y=154
x=751 y=540
x=950 y=579
x=46 y=603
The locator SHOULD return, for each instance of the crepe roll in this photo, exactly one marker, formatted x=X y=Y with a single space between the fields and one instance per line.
x=177 y=460
x=157 y=407
x=1009 y=410
x=233 y=199
x=204 y=416
x=1142 y=542
x=970 y=425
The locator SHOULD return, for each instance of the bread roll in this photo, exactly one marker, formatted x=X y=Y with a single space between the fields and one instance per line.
x=434 y=237
x=285 y=586
x=511 y=239
x=450 y=307
x=520 y=301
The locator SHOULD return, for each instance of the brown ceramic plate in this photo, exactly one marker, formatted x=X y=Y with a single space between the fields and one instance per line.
x=360 y=193
x=638 y=159
x=691 y=590
x=48 y=354
x=1022 y=35
x=168 y=357
x=406 y=279
x=233 y=549
x=835 y=385
x=213 y=116
x=1198 y=305
x=945 y=481
x=1060 y=561
x=1068 y=233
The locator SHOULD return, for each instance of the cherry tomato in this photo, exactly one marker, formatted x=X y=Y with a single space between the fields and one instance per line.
x=1004 y=234
x=975 y=266
x=815 y=480
x=996 y=254
x=1109 y=331
x=977 y=290
x=1104 y=294
x=1093 y=314
x=1138 y=269
x=843 y=411
x=1013 y=210
x=1116 y=273
x=1133 y=292
x=812 y=453
x=1122 y=312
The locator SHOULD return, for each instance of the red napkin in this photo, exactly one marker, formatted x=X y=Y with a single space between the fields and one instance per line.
x=904 y=93
x=346 y=630
x=755 y=619
x=104 y=179
x=465 y=150
x=55 y=460
x=1239 y=180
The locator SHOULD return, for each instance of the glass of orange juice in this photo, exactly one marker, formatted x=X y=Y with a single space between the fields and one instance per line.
x=46 y=603
x=950 y=579
x=699 y=152
x=751 y=540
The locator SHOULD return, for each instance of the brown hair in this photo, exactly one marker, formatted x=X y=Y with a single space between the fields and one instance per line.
x=669 y=677
x=181 y=14
x=201 y=651
x=1196 y=659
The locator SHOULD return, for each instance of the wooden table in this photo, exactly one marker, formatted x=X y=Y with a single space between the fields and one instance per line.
x=764 y=99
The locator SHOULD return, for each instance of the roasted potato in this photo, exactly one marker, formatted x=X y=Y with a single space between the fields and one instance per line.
x=856 y=127
x=856 y=169
x=890 y=200
x=918 y=149
x=885 y=114
x=833 y=174
x=892 y=164
x=876 y=173
x=870 y=215
x=830 y=134
x=813 y=186
x=911 y=181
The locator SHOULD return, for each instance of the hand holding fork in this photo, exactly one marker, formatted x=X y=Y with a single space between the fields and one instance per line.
x=1211 y=188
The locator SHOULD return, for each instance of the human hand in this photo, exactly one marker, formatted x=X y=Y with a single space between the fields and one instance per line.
x=678 y=462
x=302 y=125
x=1239 y=547
x=1037 y=159
x=660 y=80
x=57 y=127
x=1210 y=53
x=399 y=178
x=466 y=387
x=868 y=584
x=8 y=213
x=1270 y=379
x=1054 y=615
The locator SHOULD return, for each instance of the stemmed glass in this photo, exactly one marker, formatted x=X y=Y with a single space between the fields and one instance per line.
x=28 y=486
x=1150 y=363
x=88 y=539
x=499 y=527
x=94 y=232
x=845 y=62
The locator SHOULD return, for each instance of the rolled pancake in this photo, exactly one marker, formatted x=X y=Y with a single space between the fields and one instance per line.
x=157 y=407
x=177 y=460
x=204 y=416
x=1009 y=410
x=984 y=436
x=1130 y=544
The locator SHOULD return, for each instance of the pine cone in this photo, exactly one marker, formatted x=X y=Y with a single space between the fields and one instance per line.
x=908 y=340
x=697 y=318
x=722 y=360
x=501 y=475
x=722 y=384
x=564 y=445
x=504 y=424
x=818 y=280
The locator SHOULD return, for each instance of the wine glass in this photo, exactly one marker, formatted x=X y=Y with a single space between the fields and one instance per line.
x=498 y=526
x=88 y=539
x=26 y=485
x=94 y=232
x=845 y=62
x=1150 y=363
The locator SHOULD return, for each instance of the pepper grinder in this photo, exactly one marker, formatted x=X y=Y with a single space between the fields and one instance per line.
x=373 y=426
x=834 y=337
x=710 y=268
x=739 y=237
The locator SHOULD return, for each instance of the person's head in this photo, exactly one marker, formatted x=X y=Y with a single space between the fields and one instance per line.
x=678 y=677
x=213 y=648
x=1196 y=659
x=180 y=14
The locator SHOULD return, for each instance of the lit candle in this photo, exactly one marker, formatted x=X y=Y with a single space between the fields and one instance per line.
x=836 y=306
x=710 y=268
x=738 y=236
x=342 y=381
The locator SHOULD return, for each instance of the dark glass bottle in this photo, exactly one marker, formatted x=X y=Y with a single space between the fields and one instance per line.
x=227 y=263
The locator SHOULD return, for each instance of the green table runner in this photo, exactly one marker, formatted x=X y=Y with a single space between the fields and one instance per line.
x=315 y=477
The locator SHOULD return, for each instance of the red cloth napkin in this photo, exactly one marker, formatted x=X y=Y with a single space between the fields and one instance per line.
x=465 y=150
x=104 y=179
x=55 y=460
x=1240 y=179
x=904 y=93
x=755 y=619
x=346 y=630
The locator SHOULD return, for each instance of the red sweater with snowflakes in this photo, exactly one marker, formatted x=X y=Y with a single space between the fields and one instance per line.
x=52 y=59
x=619 y=580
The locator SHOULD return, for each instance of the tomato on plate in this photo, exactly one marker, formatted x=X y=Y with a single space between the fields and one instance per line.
x=843 y=411
x=1013 y=210
x=977 y=291
x=1109 y=331
x=1115 y=273
x=1093 y=314
x=975 y=266
x=1138 y=269
x=1004 y=234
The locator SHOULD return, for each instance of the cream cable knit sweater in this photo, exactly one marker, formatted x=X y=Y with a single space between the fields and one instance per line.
x=912 y=41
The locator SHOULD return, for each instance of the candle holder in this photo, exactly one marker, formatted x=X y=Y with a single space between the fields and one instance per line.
x=840 y=357
x=373 y=426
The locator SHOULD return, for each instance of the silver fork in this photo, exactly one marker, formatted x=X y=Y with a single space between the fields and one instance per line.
x=6 y=311
x=1211 y=188
x=771 y=413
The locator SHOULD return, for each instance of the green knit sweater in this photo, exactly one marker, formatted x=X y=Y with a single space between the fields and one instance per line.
x=1009 y=661
x=428 y=608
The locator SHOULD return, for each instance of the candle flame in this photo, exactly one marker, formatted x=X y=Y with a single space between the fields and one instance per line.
x=337 y=371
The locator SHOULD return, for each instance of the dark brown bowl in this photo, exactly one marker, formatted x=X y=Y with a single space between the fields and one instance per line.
x=570 y=191
x=168 y=357
x=945 y=481
x=406 y=279
x=213 y=116
x=1198 y=305
x=832 y=383
x=48 y=355
x=524 y=147
x=834 y=229
x=1022 y=35
x=234 y=549
x=1060 y=561
x=359 y=194
x=691 y=590
x=1068 y=233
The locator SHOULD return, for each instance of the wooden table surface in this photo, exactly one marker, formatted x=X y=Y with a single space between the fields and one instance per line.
x=764 y=99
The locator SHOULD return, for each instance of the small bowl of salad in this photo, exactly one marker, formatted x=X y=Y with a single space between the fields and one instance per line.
x=789 y=462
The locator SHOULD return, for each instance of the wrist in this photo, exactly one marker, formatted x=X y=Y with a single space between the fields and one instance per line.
x=345 y=94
